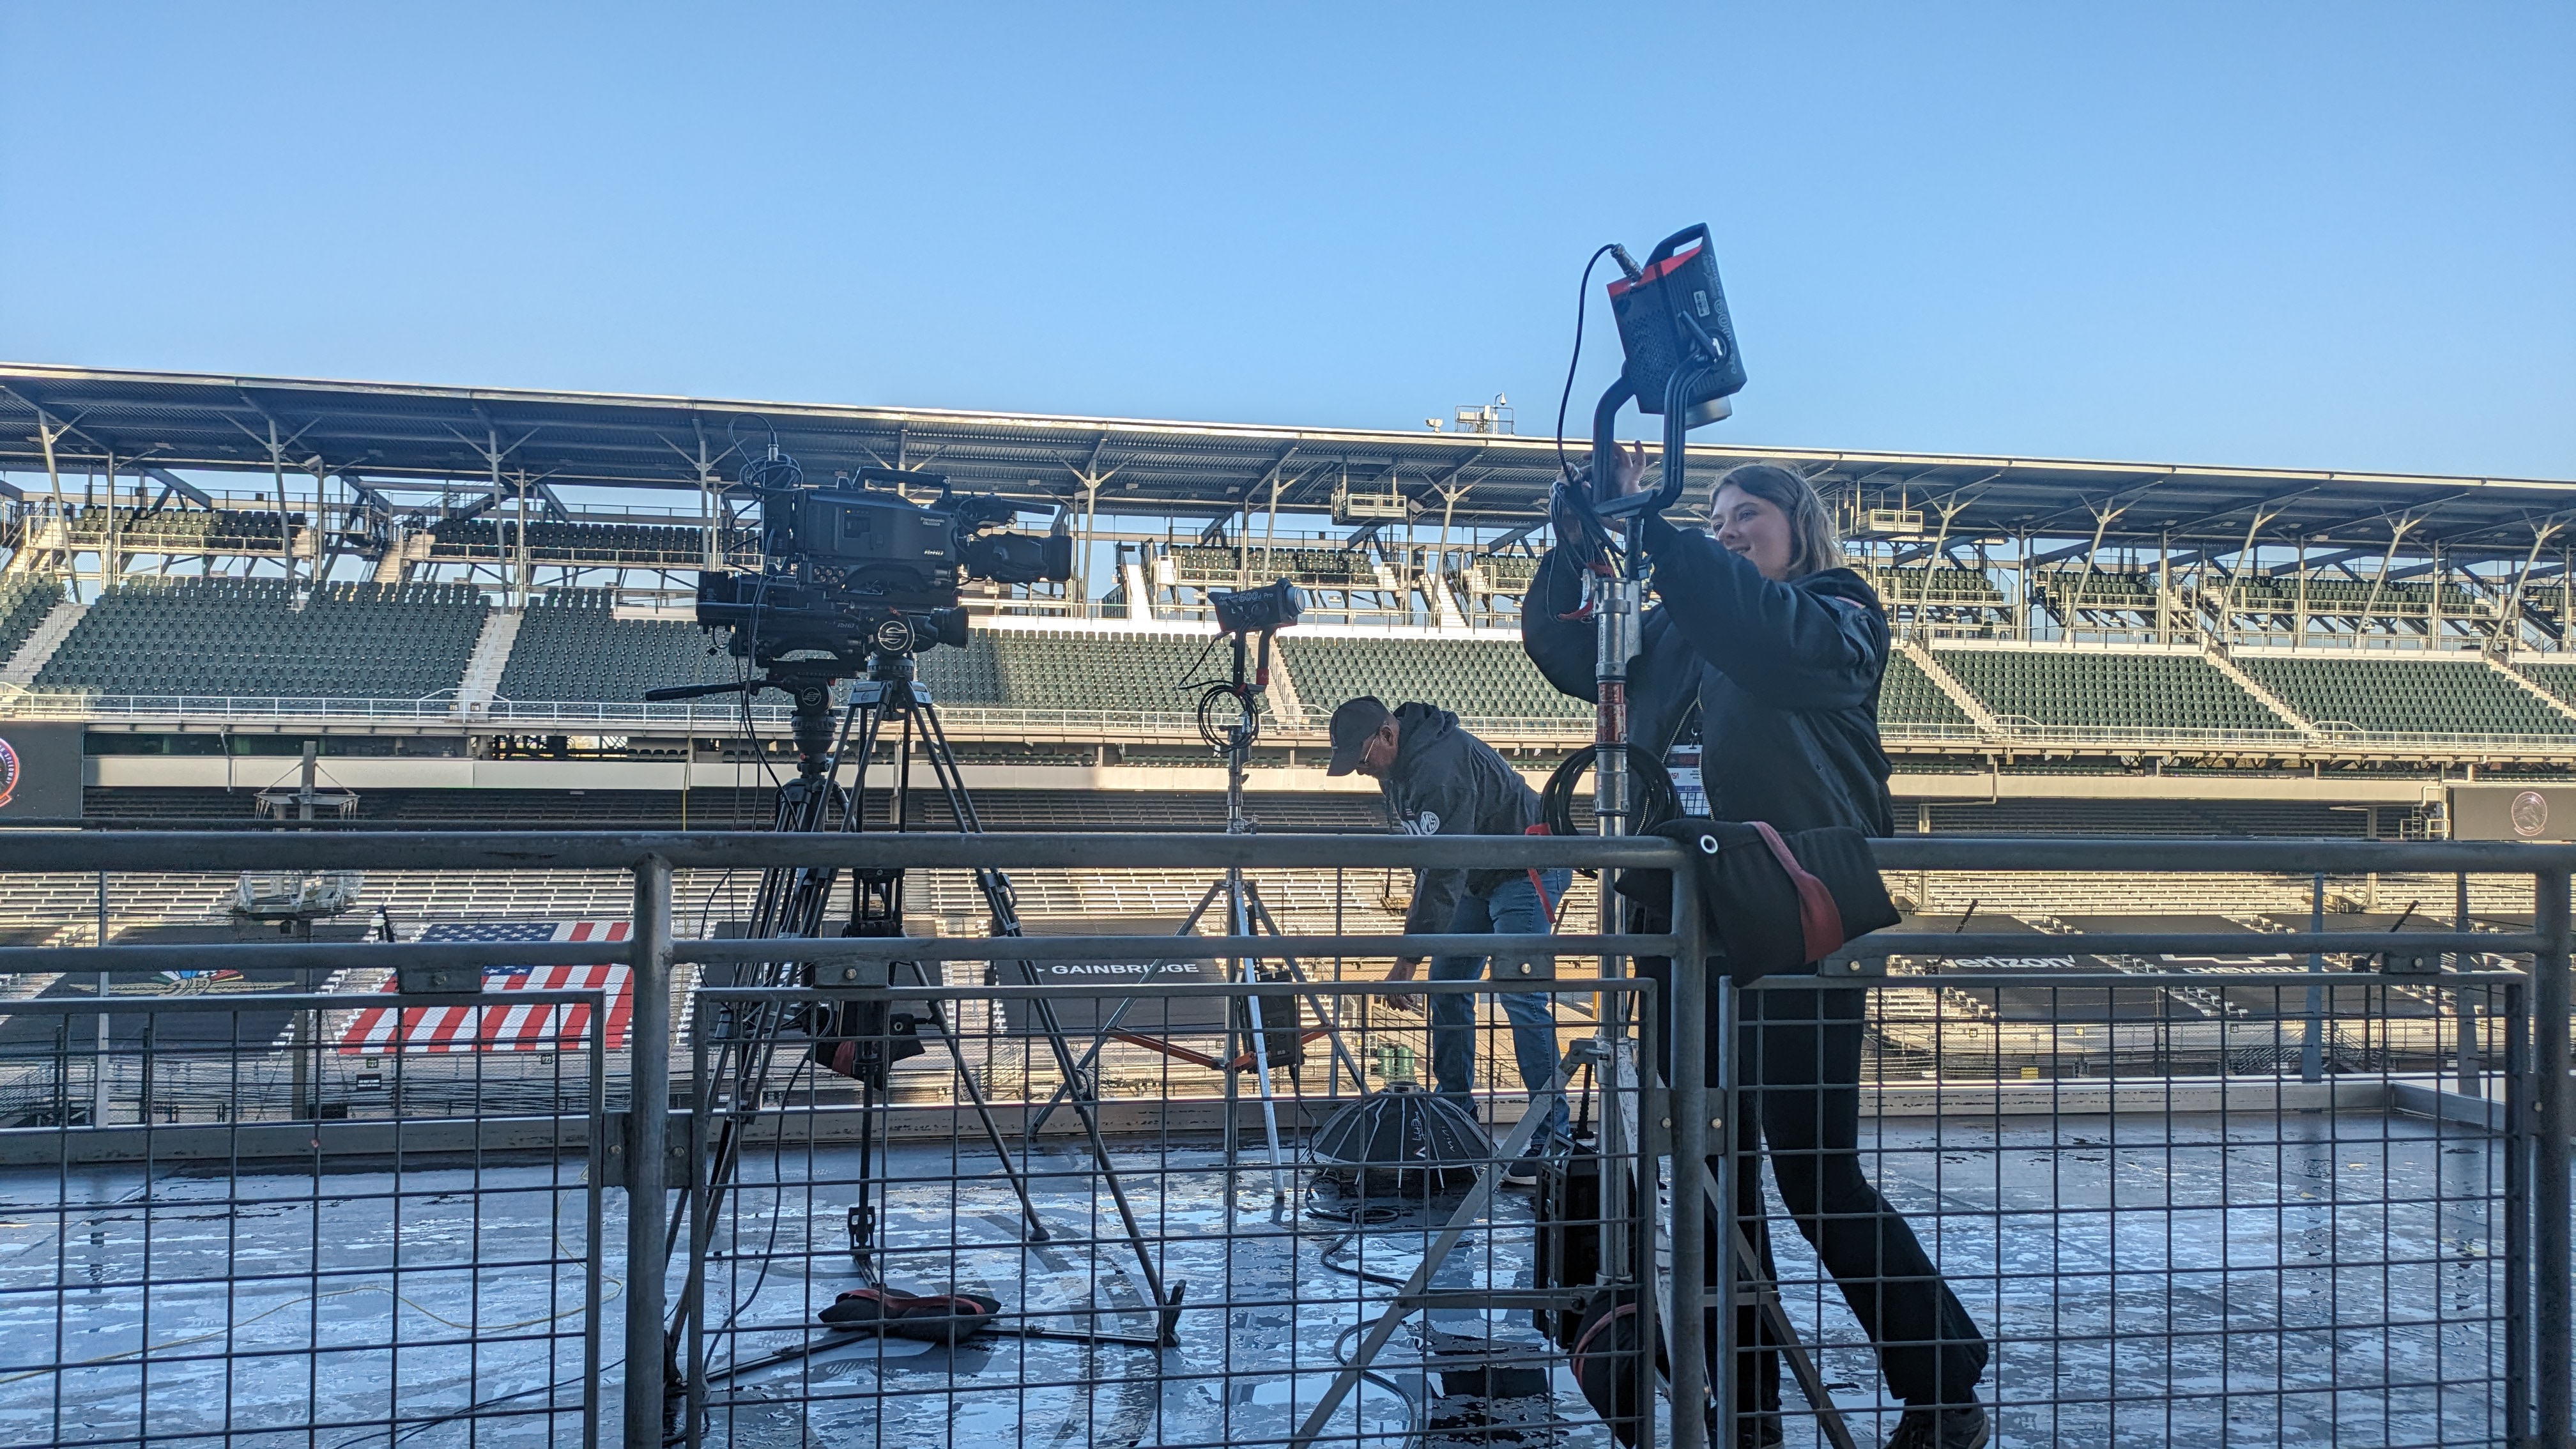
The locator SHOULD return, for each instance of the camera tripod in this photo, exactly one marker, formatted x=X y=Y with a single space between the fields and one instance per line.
x=865 y=1039
x=1249 y=1040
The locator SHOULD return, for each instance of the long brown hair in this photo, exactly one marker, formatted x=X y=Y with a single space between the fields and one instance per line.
x=1812 y=545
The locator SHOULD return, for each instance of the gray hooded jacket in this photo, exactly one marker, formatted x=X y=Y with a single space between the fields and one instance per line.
x=1446 y=781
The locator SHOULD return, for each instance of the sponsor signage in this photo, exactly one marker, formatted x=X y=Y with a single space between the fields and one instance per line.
x=2513 y=812
x=40 y=772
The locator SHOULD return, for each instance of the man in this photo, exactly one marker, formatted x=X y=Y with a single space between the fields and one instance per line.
x=1438 y=779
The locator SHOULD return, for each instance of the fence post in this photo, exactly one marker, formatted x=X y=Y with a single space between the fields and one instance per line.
x=1689 y=1138
x=649 y=1115
x=2551 y=1351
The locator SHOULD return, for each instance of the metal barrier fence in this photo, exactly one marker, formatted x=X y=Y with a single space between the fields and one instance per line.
x=191 y=1253
x=2212 y=1200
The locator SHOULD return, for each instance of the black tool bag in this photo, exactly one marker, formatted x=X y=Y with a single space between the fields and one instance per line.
x=1283 y=1026
x=1779 y=904
x=1569 y=1234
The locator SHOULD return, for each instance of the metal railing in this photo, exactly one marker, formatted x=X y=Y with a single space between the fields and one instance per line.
x=2084 y=1153
x=973 y=720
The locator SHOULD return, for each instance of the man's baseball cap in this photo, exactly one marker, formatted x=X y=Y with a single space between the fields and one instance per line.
x=1352 y=725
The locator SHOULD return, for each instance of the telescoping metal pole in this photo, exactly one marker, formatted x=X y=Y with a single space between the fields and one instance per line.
x=1617 y=597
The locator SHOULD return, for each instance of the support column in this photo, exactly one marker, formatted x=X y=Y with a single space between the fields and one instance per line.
x=648 y=1115
x=2551 y=1347
x=1692 y=1129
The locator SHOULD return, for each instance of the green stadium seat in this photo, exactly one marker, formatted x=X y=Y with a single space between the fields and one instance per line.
x=2108 y=689
x=1907 y=695
x=249 y=637
x=2404 y=696
x=1480 y=679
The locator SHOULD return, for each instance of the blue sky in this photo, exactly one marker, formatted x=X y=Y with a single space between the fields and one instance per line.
x=2268 y=235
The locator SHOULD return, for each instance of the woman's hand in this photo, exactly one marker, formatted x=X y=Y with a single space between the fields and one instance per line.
x=1628 y=476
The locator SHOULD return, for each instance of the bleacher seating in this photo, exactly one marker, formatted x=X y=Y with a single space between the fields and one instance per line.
x=183 y=530
x=2411 y=696
x=2110 y=689
x=1322 y=568
x=248 y=637
x=25 y=600
x=1508 y=573
x=1479 y=679
x=1045 y=669
x=1948 y=586
x=1906 y=695
x=2130 y=591
x=2344 y=597
x=571 y=648
x=491 y=539
x=2558 y=679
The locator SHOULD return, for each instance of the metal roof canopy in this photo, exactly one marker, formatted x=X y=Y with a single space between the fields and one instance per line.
x=389 y=433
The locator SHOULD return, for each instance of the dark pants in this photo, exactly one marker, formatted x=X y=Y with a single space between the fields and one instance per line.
x=1798 y=1071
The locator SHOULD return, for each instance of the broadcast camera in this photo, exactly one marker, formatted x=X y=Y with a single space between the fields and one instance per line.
x=857 y=566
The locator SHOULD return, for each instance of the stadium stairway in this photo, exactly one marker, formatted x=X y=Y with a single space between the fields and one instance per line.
x=1915 y=688
x=29 y=652
x=2219 y=661
x=484 y=667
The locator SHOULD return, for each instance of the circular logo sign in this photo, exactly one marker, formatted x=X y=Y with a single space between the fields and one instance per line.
x=8 y=772
x=2530 y=814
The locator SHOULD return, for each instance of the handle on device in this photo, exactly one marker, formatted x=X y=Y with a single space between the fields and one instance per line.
x=696 y=691
x=1671 y=244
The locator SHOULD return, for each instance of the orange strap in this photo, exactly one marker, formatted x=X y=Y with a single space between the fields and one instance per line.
x=1536 y=884
x=1818 y=917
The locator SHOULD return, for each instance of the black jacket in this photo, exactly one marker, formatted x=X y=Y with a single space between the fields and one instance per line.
x=1785 y=677
x=1446 y=781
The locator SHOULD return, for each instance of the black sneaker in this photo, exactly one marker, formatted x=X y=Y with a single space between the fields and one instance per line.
x=1956 y=1428
x=1521 y=1171
x=1759 y=1431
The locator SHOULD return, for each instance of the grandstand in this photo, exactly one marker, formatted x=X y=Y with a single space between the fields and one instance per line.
x=2407 y=696
x=454 y=636
x=2109 y=689
x=572 y=646
x=1490 y=680
x=506 y=613
x=258 y=637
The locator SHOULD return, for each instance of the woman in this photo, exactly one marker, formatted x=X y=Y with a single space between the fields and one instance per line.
x=1769 y=651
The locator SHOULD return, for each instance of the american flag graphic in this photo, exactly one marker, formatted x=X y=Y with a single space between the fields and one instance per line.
x=503 y=1027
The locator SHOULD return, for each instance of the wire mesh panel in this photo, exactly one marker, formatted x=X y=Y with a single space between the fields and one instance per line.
x=212 y=1234
x=869 y=1267
x=2127 y=1208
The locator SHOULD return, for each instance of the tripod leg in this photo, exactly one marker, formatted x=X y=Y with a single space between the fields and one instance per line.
x=1109 y=1025
x=1006 y=921
x=1249 y=973
x=984 y=1113
x=1325 y=1006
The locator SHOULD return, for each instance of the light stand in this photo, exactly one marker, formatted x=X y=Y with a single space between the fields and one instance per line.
x=1245 y=915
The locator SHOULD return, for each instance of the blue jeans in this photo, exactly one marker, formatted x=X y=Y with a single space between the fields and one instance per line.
x=1511 y=908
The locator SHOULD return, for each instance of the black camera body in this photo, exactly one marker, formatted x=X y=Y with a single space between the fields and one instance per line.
x=852 y=569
